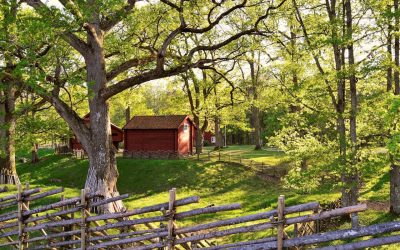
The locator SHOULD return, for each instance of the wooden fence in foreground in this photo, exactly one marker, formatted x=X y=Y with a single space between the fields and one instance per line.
x=69 y=224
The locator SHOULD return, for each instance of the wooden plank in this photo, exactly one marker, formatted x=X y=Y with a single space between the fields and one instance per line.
x=329 y=236
x=259 y=216
x=20 y=218
x=171 y=214
x=154 y=208
x=375 y=242
x=83 y=205
x=281 y=223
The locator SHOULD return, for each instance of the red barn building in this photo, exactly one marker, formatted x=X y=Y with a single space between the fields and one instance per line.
x=168 y=134
x=117 y=135
x=208 y=138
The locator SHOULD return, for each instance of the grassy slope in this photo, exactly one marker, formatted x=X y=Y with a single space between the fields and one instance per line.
x=216 y=183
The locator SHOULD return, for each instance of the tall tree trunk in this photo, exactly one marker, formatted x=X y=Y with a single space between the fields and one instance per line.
x=2 y=128
x=394 y=166
x=199 y=135
x=255 y=111
x=352 y=174
x=295 y=81
x=102 y=174
x=257 y=128
x=8 y=171
x=340 y=105
x=218 y=135
x=35 y=155
x=389 y=71
x=194 y=101
x=396 y=49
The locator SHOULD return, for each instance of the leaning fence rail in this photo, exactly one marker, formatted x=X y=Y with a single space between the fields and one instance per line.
x=69 y=224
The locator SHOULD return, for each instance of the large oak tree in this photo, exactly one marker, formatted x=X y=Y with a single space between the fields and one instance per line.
x=122 y=45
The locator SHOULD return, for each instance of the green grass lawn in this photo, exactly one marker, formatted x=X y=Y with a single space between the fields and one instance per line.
x=218 y=183
x=268 y=156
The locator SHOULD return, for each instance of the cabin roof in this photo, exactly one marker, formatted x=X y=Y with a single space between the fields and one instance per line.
x=156 y=122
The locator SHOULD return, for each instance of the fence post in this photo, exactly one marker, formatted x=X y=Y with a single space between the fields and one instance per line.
x=171 y=221
x=83 y=219
x=354 y=220
x=317 y=224
x=21 y=209
x=240 y=158
x=25 y=205
x=209 y=156
x=62 y=228
x=281 y=222
x=219 y=155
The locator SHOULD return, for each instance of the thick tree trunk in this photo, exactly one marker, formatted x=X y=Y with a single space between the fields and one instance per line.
x=102 y=174
x=257 y=128
x=255 y=111
x=199 y=133
x=35 y=155
x=394 y=187
x=8 y=172
x=394 y=167
x=217 y=131
x=389 y=70
x=396 y=49
x=353 y=176
x=2 y=127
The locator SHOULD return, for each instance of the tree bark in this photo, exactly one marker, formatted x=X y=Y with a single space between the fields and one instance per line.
x=394 y=186
x=257 y=128
x=194 y=101
x=35 y=156
x=8 y=171
x=218 y=136
x=255 y=111
x=199 y=133
x=353 y=176
x=394 y=166
x=389 y=70
x=338 y=51
x=396 y=48
x=102 y=174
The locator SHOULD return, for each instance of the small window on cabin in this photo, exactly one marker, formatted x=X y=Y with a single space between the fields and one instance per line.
x=185 y=127
x=114 y=134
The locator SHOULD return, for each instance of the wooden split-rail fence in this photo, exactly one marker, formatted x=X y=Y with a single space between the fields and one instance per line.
x=32 y=219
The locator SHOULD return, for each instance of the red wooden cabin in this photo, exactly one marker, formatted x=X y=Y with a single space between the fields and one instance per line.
x=117 y=135
x=154 y=134
x=209 y=138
